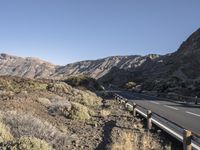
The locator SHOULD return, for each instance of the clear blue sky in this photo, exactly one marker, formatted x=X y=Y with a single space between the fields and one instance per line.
x=64 y=31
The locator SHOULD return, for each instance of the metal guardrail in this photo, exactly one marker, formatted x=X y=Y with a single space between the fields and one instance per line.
x=168 y=126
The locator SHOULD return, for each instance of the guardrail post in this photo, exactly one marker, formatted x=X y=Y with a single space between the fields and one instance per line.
x=118 y=99
x=149 y=123
x=196 y=100
x=125 y=104
x=134 y=109
x=187 y=140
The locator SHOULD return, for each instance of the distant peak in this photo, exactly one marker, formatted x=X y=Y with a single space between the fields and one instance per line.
x=4 y=55
x=191 y=44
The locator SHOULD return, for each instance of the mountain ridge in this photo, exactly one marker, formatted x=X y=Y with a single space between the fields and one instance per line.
x=182 y=63
x=94 y=68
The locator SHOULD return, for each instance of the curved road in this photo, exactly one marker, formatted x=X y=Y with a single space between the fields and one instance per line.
x=185 y=115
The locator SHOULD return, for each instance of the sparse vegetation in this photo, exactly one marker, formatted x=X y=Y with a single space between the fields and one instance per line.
x=5 y=134
x=22 y=124
x=79 y=112
x=105 y=112
x=125 y=141
x=17 y=85
x=31 y=143
x=58 y=117
x=60 y=108
x=84 y=97
x=84 y=81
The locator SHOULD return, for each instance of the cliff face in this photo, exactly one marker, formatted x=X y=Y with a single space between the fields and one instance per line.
x=182 y=65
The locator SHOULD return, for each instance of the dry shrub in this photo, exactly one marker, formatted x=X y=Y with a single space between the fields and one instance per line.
x=134 y=141
x=60 y=108
x=5 y=134
x=31 y=143
x=147 y=142
x=105 y=112
x=22 y=124
x=60 y=88
x=84 y=97
x=63 y=128
x=79 y=112
x=6 y=95
x=124 y=142
x=89 y=99
x=44 y=101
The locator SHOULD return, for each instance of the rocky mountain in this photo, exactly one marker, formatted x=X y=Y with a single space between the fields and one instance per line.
x=25 y=67
x=176 y=71
x=182 y=65
x=36 y=68
x=100 y=67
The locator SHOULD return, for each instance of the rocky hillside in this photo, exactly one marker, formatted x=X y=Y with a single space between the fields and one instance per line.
x=175 y=72
x=182 y=64
x=47 y=115
x=25 y=67
x=36 y=68
x=100 y=67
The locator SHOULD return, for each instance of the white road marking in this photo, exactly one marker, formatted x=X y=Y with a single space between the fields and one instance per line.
x=192 y=113
x=154 y=102
x=171 y=107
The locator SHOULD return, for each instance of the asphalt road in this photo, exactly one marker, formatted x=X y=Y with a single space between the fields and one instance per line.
x=187 y=116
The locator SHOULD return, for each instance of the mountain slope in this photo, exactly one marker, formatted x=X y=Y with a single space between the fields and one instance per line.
x=36 y=68
x=176 y=71
x=100 y=67
x=25 y=67
x=183 y=64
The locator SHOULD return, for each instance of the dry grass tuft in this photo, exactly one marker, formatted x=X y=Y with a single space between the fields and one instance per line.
x=22 y=124
x=89 y=99
x=60 y=108
x=148 y=143
x=30 y=143
x=105 y=112
x=5 y=134
x=124 y=142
